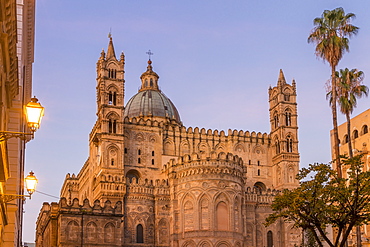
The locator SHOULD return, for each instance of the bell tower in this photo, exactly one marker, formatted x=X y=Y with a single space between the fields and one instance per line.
x=284 y=133
x=107 y=136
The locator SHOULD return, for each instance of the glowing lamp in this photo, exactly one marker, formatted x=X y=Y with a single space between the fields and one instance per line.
x=34 y=113
x=31 y=182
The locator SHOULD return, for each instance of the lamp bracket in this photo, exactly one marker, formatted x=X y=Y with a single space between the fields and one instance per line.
x=10 y=197
x=5 y=135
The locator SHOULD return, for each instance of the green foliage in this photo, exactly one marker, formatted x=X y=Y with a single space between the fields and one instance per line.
x=349 y=89
x=324 y=199
x=331 y=34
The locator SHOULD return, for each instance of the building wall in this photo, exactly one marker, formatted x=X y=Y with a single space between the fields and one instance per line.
x=360 y=138
x=17 y=34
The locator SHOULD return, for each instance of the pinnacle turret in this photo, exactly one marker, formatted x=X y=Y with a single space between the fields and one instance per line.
x=281 y=80
x=110 y=51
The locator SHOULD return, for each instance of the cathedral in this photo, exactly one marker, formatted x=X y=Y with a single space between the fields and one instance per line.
x=151 y=181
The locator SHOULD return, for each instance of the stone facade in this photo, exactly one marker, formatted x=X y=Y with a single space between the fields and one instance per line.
x=17 y=25
x=179 y=186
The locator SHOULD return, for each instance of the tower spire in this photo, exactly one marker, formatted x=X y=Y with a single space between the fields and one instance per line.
x=281 y=80
x=110 y=51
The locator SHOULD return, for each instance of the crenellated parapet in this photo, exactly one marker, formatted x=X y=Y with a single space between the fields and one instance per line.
x=196 y=132
x=80 y=223
x=255 y=195
x=70 y=186
x=140 y=189
x=97 y=208
x=199 y=166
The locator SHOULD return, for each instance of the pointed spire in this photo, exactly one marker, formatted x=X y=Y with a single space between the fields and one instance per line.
x=110 y=51
x=122 y=57
x=102 y=54
x=281 y=79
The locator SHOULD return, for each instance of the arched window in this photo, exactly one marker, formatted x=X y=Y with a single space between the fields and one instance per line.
x=109 y=233
x=72 y=231
x=146 y=82
x=222 y=216
x=139 y=234
x=188 y=216
x=270 y=240
x=91 y=231
x=286 y=97
x=258 y=172
x=276 y=120
x=112 y=98
x=277 y=146
x=365 y=129
x=112 y=73
x=261 y=187
x=289 y=144
x=204 y=214
x=112 y=126
x=288 y=118
x=355 y=134
x=151 y=82
x=345 y=139
x=133 y=176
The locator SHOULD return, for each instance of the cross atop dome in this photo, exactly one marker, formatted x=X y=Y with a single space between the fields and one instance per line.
x=149 y=79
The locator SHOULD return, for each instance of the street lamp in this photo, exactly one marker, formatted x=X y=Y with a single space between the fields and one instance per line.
x=31 y=182
x=34 y=113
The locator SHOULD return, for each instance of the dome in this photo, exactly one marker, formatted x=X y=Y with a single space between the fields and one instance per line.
x=150 y=101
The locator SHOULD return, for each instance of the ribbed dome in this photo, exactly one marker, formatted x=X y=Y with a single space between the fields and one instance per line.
x=151 y=103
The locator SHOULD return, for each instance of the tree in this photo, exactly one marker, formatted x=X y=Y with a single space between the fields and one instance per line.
x=349 y=90
x=323 y=198
x=331 y=35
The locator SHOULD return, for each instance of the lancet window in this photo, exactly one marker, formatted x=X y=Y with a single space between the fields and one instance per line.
x=288 y=118
x=112 y=126
x=289 y=144
x=112 y=73
x=139 y=234
x=270 y=240
x=112 y=98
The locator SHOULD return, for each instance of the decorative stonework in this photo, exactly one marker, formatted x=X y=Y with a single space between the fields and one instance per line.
x=177 y=186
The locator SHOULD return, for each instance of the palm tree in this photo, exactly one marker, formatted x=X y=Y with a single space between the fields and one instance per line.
x=349 y=90
x=331 y=35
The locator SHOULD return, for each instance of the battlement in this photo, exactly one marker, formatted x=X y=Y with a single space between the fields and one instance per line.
x=187 y=160
x=199 y=164
x=96 y=208
x=197 y=132
x=255 y=195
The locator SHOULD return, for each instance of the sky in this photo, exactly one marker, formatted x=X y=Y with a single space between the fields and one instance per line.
x=216 y=60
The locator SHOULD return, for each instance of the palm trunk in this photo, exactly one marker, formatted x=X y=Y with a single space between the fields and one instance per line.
x=349 y=135
x=335 y=122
